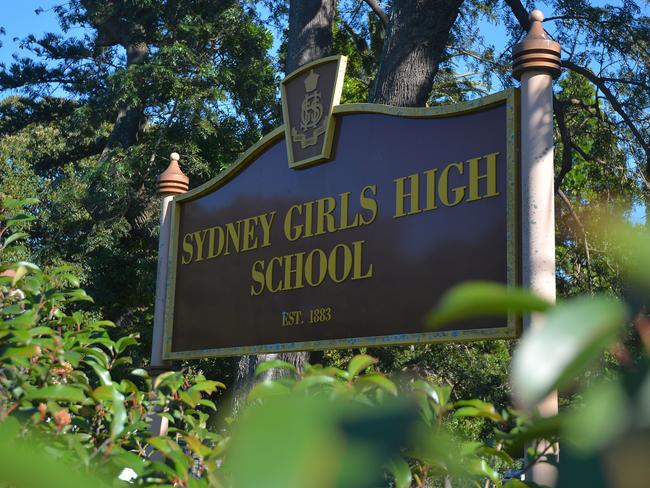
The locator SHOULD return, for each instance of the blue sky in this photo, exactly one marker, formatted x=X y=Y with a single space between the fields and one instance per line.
x=19 y=20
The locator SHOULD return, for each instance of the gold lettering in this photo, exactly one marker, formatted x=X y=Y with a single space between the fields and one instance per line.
x=309 y=211
x=188 y=249
x=309 y=267
x=443 y=186
x=345 y=209
x=269 y=275
x=490 y=176
x=368 y=203
x=249 y=238
x=357 y=251
x=266 y=227
x=258 y=277
x=211 y=238
x=347 y=263
x=297 y=271
x=199 y=237
x=324 y=215
x=232 y=235
x=431 y=189
x=413 y=195
x=292 y=233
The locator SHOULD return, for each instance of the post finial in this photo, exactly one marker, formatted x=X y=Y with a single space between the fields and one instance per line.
x=173 y=181
x=537 y=52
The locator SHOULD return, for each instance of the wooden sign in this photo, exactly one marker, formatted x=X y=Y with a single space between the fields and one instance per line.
x=344 y=227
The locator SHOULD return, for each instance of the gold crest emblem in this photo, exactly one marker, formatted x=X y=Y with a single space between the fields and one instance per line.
x=310 y=115
x=309 y=95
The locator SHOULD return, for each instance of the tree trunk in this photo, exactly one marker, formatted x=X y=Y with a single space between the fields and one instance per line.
x=415 y=41
x=310 y=31
x=310 y=38
x=130 y=116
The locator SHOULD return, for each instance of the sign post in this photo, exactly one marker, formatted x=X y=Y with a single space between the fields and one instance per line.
x=536 y=62
x=171 y=182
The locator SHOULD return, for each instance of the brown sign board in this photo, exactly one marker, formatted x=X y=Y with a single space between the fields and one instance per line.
x=275 y=254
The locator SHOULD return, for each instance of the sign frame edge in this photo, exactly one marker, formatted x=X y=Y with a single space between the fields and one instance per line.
x=513 y=328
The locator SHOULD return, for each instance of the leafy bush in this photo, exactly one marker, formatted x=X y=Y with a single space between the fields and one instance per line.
x=74 y=411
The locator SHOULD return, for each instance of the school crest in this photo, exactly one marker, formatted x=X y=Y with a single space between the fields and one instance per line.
x=309 y=95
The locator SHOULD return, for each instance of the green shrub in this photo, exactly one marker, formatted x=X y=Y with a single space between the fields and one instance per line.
x=75 y=411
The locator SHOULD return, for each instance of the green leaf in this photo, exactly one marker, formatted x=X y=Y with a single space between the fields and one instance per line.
x=196 y=445
x=20 y=352
x=95 y=353
x=20 y=272
x=126 y=459
x=191 y=397
x=477 y=408
x=481 y=298
x=275 y=363
x=103 y=393
x=267 y=389
x=119 y=413
x=604 y=404
x=359 y=363
x=515 y=484
x=571 y=337
x=401 y=472
x=125 y=342
x=208 y=386
x=143 y=373
x=71 y=279
x=482 y=468
x=56 y=392
x=439 y=394
x=13 y=237
x=314 y=380
x=380 y=381
x=23 y=217
x=491 y=451
x=164 y=378
x=208 y=403
x=11 y=203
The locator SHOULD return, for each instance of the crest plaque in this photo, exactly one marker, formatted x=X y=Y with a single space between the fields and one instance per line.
x=309 y=96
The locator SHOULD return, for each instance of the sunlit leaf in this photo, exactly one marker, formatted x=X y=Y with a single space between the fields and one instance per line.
x=401 y=472
x=20 y=352
x=378 y=380
x=571 y=337
x=267 y=389
x=481 y=298
x=56 y=392
x=15 y=236
x=314 y=380
x=359 y=363
x=275 y=363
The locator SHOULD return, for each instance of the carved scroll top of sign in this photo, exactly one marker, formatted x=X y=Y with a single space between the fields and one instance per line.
x=309 y=95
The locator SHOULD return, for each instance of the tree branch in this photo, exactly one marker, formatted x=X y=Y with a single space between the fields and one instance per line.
x=521 y=13
x=613 y=101
x=567 y=157
x=377 y=9
x=583 y=233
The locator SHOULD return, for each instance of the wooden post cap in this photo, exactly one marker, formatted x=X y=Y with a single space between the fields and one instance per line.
x=173 y=181
x=537 y=52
